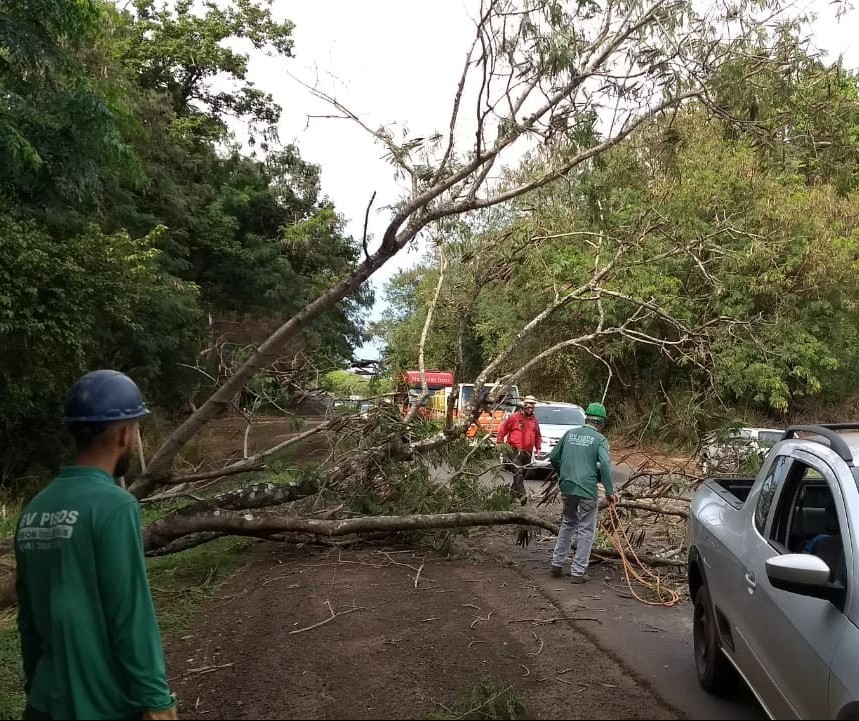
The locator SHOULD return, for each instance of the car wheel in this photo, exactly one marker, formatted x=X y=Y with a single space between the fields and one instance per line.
x=715 y=673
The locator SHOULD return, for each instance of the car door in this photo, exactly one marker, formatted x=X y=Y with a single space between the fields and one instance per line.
x=742 y=543
x=794 y=637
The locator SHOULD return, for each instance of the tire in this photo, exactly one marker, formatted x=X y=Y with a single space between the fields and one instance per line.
x=715 y=672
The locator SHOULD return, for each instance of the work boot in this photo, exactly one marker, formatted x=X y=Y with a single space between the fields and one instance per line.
x=556 y=571
x=579 y=577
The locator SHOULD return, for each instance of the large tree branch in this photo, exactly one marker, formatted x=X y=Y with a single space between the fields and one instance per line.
x=629 y=127
x=457 y=101
x=598 y=275
x=426 y=204
x=442 y=267
x=255 y=462
x=248 y=524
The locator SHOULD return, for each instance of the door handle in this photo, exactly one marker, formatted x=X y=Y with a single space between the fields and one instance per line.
x=751 y=583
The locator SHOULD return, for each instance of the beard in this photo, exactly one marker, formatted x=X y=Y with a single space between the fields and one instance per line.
x=122 y=464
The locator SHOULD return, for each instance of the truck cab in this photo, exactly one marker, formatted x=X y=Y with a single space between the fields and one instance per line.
x=491 y=416
x=773 y=571
x=410 y=391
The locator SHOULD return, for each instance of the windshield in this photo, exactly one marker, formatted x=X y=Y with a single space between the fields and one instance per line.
x=509 y=400
x=770 y=438
x=415 y=394
x=560 y=415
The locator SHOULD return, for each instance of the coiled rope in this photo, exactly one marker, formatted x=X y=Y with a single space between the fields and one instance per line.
x=634 y=569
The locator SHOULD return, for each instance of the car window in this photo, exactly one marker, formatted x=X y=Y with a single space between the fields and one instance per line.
x=770 y=438
x=560 y=415
x=806 y=520
x=508 y=402
x=415 y=394
x=771 y=483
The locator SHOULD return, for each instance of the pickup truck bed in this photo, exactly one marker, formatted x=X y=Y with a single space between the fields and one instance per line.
x=734 y=491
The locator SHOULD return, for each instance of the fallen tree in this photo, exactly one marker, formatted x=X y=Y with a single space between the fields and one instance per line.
x=557 y=82
x=247 y=524
x=535 y=70
x=160 y=535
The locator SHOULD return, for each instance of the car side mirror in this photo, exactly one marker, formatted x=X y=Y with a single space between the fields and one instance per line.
x=803 y=574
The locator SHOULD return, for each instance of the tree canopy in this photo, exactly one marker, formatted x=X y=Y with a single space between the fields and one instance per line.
x=765 y=213
x=129 y=212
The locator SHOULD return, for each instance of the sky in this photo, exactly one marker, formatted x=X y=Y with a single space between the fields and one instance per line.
x=390 y=62
x=394 y=62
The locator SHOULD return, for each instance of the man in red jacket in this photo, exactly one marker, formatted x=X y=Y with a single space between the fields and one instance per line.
x=521 y=431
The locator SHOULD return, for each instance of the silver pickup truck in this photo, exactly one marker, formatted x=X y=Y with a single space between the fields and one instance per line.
x=773 y=571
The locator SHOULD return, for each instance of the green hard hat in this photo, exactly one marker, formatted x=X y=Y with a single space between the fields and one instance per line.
x=597 y=410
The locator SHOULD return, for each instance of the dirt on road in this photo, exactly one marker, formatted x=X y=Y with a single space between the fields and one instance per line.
x=411 y=630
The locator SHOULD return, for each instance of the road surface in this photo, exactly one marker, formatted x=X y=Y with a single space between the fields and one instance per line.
x=654 y=642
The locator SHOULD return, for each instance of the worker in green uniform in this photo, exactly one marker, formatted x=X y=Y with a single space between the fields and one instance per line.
x=90 y=640
x=581 y=460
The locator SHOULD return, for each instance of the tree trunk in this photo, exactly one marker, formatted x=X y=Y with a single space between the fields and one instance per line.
x=161 y=464
x=167 y=530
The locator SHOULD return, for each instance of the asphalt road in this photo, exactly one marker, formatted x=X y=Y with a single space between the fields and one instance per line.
x=653 y=642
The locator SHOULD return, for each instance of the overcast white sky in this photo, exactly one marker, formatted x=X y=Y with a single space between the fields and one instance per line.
x=394 y=61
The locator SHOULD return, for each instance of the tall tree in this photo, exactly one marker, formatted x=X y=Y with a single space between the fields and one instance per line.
x=119 y=153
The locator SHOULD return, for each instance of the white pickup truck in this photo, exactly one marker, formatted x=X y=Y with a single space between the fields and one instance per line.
x=773 y=571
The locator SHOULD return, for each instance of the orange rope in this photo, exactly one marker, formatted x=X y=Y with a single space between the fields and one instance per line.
x=615 y=533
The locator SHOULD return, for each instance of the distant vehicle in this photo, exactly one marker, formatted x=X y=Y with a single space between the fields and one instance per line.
x=341 y=407
x=441 y=387
x=773 y=571
x=729 y=451
x=490 y=418
x=555 y=420
x=410 y=389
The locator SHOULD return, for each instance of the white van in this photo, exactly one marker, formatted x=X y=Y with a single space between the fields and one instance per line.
x=727 y=452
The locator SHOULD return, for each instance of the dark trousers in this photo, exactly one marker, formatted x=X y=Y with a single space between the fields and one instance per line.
x=516 y=464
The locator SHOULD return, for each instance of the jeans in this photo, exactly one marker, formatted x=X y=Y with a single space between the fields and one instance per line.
x=516 y=463
x=580 y=522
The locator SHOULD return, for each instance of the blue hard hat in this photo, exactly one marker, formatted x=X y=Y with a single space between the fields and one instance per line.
x=104 y=396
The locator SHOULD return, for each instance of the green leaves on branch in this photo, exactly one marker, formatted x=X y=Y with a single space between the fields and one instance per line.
x=63 y=306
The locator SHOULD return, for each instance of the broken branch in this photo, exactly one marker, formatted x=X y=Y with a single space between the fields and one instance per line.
x=329 y=619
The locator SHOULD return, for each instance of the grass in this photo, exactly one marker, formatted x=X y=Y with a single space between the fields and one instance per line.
x=182 y=582
x=9 y=512
x=11 y=693
x=151 y=512
x=484 y=699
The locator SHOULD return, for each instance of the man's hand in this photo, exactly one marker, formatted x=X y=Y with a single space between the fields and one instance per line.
x=612 y=499
x=168 y=714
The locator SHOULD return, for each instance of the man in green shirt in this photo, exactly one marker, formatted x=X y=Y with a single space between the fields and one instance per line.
x=90 y=641
x=581 y=460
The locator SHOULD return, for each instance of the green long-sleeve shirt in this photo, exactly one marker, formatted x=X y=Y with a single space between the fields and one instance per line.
x=90 y=640
x=575 y=459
